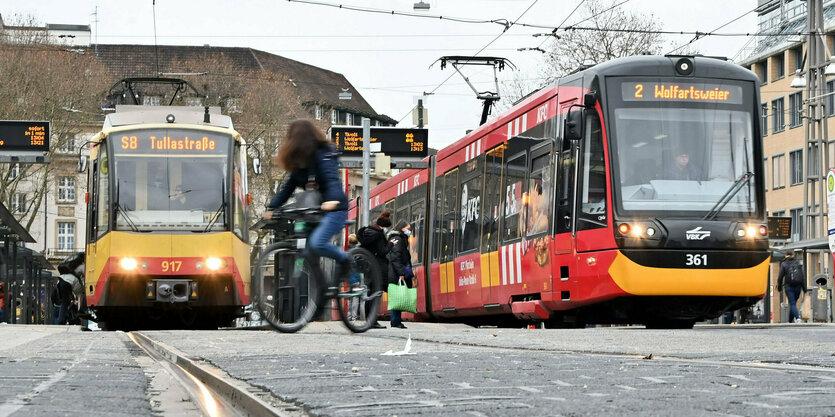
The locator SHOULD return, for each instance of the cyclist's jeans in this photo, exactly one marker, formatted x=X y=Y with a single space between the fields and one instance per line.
x=319 y=241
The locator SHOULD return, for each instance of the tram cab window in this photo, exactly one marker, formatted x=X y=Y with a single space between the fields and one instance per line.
x=103 y=193
x=515 y=171
x=592 y=192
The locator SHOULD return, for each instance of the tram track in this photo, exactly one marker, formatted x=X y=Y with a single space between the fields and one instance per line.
x=211 y=389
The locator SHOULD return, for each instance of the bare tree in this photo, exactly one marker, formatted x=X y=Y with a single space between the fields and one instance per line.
x=39 y=81
x=611 y=32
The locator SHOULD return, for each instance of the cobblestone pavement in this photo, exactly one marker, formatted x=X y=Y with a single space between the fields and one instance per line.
x=457 y=370
x=61 y=371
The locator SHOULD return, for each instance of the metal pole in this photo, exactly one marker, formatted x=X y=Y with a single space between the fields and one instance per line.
x=420 y=113
x=14 y=279
x=366 y=167
x=7 y=296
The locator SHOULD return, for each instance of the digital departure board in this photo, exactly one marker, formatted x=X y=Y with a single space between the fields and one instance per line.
x=170 y=142
x=394 y=142
x=683 y=92
x=779 y=227
x=24 y=136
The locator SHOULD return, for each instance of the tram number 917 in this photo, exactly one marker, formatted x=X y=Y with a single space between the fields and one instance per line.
x=172 y=266
x=694 y=259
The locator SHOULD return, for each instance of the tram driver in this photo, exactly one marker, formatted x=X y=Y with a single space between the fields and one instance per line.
x=680 y=167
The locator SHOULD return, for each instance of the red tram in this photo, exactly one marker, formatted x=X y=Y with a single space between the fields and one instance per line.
x=630 y=192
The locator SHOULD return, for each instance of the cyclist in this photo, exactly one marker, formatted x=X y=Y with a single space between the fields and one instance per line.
x=306 y=153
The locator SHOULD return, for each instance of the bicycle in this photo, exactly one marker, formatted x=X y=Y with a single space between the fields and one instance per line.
x=297 y=289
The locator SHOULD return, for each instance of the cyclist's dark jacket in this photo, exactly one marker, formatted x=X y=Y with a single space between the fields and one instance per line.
x=327 y=177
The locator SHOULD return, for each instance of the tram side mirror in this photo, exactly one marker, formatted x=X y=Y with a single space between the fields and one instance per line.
x=256 y=166
x=82 y=163
x=574 y=124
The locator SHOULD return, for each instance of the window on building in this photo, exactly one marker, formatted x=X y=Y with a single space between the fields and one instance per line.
x=349 y=119
x=797 y=58
x=796 y=167
x=765 y=173
x=14 y=171
x=779 y=69
x=761 y=67
x=764 y=123
x=797 y=223
x=830 y=99
x=151 y=100
x=66 y=189
x=66 y=236
x=778 y=171
x=334 y=116
x=795 y=109
x=317 y=112
x=18 y=203
x=233 y=105
x=194 y=101
x=778 y=115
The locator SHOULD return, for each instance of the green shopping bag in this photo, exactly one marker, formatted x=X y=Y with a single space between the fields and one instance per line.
x=402 y=298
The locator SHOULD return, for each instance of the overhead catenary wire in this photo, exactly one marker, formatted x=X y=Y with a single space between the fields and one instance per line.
x=697 y=37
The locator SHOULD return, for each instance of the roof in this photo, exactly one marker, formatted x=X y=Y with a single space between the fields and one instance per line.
x=784 y=36
x=58 y=26
x=314 y=85
x=12 y=226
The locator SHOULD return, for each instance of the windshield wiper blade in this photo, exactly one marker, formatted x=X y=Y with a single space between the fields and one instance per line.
x=221 y=209
x=124 y=214
x=726 y=198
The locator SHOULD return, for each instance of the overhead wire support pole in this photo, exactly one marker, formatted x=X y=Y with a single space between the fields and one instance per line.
x=366 y=169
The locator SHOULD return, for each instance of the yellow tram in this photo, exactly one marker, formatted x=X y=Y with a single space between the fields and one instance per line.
x=167 y=242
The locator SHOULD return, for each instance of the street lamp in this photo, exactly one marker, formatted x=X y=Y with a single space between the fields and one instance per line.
x=799 y=80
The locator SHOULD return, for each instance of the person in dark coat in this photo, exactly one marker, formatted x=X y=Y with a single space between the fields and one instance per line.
x=792 y=278
x=306 y=153
x=681 y=169
x=375 y=240
x=400 y=263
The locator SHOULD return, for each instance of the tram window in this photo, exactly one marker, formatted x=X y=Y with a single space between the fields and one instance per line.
x=512 y=198
x=417 y=238
x=402 y=214
x=538 y=196
x=103 y=189
x=492 y=197
x=389 y=206
x=439 y=219
x=565 y=189
x=593 y=181
x=448 y=226
x=373 y=214
x=470 y=212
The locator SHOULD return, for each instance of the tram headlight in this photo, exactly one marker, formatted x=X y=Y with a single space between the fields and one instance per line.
x=640 y=230
x=128 y=264
x=213 y=263
x=751 y=231
x=637 y=230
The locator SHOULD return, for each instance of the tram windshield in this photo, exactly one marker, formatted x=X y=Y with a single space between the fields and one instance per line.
x=170 y=179
x=684 y=157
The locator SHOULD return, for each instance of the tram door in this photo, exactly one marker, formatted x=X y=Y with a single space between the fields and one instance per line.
x=490 y=278
x=448 y=230
x=564 y=199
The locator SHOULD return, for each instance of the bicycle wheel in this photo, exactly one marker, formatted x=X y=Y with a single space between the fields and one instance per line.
x=360 y=294
x=289 y=287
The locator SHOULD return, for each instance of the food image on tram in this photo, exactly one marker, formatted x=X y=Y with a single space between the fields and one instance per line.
x=631 y=192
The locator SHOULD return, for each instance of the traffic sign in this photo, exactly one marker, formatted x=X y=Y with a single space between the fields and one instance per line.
x=16 y=135
x=395 y=142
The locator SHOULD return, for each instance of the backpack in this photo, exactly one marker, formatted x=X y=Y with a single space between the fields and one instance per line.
x=369 y=238
x=795 y=274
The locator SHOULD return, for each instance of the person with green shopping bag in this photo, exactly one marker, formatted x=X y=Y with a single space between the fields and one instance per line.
x=401 y=280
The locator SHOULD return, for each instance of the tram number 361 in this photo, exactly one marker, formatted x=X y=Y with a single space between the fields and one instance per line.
x=693 y=259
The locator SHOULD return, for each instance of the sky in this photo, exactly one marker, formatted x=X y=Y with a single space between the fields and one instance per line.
x=388 y=58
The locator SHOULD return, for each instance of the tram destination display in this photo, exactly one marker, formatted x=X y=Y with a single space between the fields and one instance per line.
x=394 y=142
x=24 y=136
x=682 y=92
x=779 y=227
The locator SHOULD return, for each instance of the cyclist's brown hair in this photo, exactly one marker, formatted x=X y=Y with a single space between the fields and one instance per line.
x=300 y=145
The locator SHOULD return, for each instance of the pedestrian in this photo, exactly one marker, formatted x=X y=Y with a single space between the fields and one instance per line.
x=354 y=284
x=400 y=263
x=792 y=279
x=310 y=157
x=373 y=239
x=70 y=288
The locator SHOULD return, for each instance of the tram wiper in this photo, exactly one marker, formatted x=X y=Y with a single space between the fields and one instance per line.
x=726 y=198
x=221 y=209
x=121 y=210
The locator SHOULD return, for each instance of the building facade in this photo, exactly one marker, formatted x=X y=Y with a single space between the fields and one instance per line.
x=793 y=167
